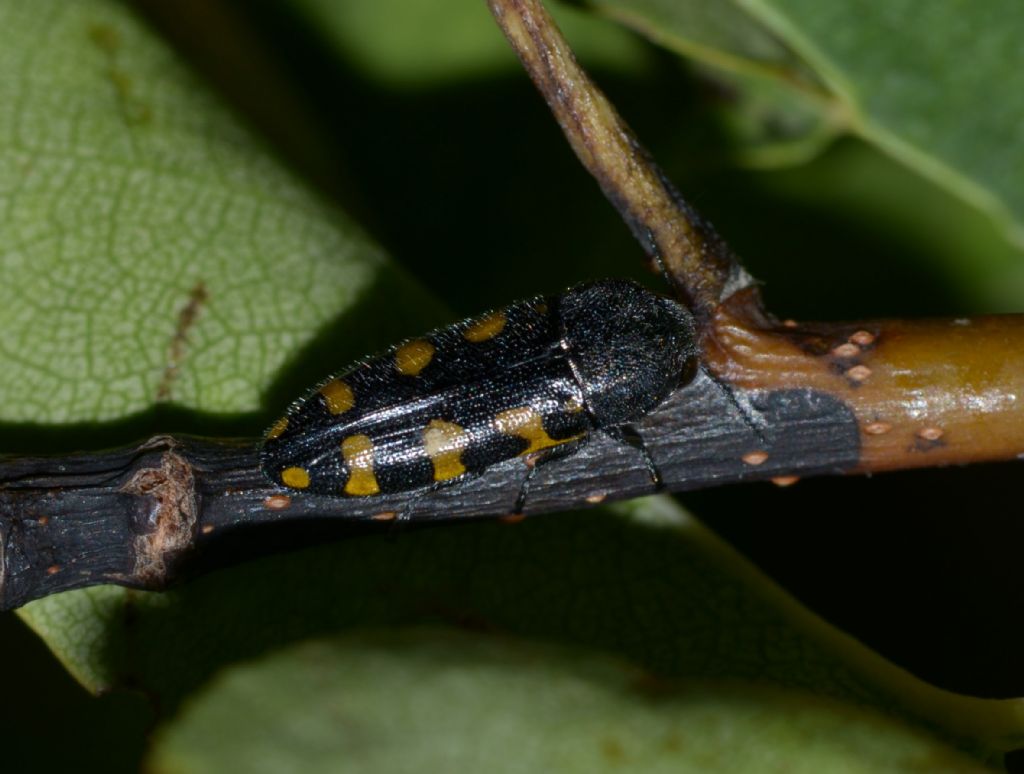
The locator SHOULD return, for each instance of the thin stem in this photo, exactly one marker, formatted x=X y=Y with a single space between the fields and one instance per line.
x=696 y=259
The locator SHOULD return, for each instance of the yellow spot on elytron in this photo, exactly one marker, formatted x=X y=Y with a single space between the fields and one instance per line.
x=485 y=328
x=277 y=428
x=444 y=442
x=526 y=423
x=541 y=308
x=357 y=451
x=296 y=478
x=413 y=357
x=338 y=396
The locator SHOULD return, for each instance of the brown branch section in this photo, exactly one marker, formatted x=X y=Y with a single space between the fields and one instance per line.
x=923 y=392
x=696 y=259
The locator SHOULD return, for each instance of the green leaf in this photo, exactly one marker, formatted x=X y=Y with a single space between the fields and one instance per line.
x=152 y=250
x=713 y=32
x=939 y=84
x=434 y=701
x=415 y=43
x=939 y=255
x=650 y=585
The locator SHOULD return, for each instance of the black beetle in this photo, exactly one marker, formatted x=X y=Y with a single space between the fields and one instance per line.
x=534 y=379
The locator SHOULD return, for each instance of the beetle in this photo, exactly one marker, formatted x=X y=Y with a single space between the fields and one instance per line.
x=535 y=379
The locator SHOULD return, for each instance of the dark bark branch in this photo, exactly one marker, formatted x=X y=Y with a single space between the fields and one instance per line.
x=141 y=516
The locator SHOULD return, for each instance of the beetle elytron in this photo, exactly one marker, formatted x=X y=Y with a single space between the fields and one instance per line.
x=534 y=379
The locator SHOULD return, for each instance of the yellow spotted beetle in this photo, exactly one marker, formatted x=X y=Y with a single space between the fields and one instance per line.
x=535 y=379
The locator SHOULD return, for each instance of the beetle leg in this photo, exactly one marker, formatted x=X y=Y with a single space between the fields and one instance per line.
x=535 y=460
x=629 y=435
x=405 y=514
